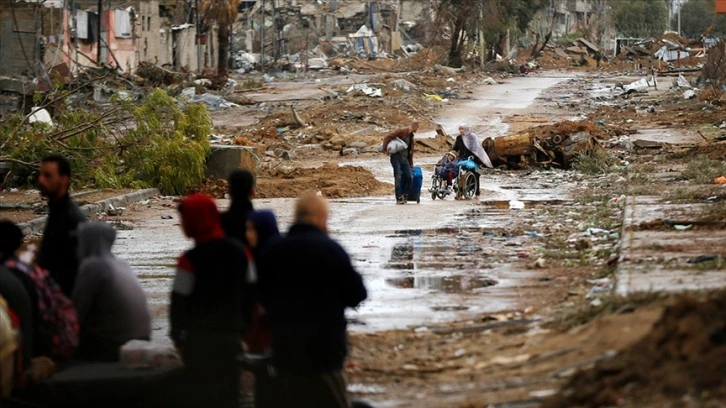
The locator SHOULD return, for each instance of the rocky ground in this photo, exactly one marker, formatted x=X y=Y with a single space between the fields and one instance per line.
x=570 y=337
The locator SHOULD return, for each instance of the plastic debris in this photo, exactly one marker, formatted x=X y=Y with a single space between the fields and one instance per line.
x=689 y=94
x=516 y=205
x=366 y=89
x=40 y=115
x=434 y=97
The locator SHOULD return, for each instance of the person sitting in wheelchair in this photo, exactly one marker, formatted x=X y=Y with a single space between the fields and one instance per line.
x=467 y=145
x=446 y=168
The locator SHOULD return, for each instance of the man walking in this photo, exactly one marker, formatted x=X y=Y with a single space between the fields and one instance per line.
x=57 y=251
x=402 y=160
x=306 y=281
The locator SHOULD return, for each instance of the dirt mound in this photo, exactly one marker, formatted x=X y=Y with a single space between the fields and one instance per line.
x=331 y=180
x=683 y=354
x=424 y=58
x=714 y=151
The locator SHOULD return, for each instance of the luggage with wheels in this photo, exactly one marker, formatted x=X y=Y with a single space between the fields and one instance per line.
x=414 y=194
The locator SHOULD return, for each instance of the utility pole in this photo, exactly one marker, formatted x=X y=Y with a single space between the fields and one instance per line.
x=262 y=37
x=679 y=19
x=482 y=46
x=198 y=41
x=100 y=16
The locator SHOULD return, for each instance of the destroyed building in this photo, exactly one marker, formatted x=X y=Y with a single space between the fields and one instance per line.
x=45 y=34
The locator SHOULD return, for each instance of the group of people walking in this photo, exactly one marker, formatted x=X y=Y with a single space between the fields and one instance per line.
x=466 y=145
x=243 y=286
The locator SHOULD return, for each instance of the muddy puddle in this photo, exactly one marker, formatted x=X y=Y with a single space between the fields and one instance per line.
x=423 y=264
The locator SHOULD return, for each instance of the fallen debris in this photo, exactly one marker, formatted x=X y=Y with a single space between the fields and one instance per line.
x=555 y=145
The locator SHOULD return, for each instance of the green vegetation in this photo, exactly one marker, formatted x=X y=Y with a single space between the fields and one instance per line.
x=639 y=18
x=704 y=170
x=698 y=17
x=567 y=39
x=595 y=161
x=155 y=144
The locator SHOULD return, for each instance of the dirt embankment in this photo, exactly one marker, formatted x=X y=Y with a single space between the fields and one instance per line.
x=681 y=359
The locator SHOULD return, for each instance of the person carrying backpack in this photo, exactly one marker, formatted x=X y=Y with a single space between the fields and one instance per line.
x=55 y=328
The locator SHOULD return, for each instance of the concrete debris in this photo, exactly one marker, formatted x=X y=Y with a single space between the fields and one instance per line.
x=213 y=102
x=490 y=81
x=317 y=63
x=244 y=61
x=403 y=85
x=681 y=82
x=447 y=70
x=667 y=55
x=640 y=86
x=689 y=94
x=366 y=90
x=203 y=82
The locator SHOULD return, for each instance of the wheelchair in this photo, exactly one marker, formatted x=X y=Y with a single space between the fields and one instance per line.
x=465 y=182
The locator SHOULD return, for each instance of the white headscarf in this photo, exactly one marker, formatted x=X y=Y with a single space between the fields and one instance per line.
x=472 y=143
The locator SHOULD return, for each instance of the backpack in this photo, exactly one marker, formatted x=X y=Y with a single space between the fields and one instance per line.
x=57 y=328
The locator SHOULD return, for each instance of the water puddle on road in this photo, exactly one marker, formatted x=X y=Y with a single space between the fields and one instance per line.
x=446 y=284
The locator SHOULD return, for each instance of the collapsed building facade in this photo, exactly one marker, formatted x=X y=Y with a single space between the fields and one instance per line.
x=79 y=34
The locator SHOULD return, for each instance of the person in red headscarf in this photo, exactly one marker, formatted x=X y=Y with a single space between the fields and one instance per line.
x=211 y=306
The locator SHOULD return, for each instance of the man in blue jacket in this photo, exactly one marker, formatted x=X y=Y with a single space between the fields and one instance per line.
x=306 y=281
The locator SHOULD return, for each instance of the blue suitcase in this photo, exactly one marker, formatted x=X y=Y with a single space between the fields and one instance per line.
x=414 y=193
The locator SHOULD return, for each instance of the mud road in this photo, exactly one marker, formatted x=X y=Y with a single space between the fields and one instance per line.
x=425 y=263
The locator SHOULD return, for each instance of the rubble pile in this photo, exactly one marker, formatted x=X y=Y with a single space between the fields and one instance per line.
x=331 y=180
x=552 y=145
x=680 y=359
x=665 y=53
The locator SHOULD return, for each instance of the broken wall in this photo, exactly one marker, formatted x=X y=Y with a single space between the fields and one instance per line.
x=154 y=42
x=28 y=37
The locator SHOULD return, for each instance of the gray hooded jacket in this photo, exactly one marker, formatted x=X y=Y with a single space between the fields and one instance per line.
x=108 y=297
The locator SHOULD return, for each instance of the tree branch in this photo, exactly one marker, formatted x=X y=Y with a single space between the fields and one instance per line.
x=16 y=161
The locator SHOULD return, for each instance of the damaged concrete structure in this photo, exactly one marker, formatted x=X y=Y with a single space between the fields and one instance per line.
x=36 y=35
x=564 y=17
x=287 y=27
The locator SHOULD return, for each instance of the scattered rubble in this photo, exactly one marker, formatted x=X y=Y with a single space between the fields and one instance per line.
x=555 y=145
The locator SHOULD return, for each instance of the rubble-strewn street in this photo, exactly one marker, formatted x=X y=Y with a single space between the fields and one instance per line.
x=502 y=300
x=589 y=272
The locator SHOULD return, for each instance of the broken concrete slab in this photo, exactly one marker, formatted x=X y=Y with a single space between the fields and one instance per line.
x=223 y=159
x=654 y=255
x=561 y=53
x=403 y=85
x=37 y=225
x=576 y=50
x=588 y=44
x=648 y=144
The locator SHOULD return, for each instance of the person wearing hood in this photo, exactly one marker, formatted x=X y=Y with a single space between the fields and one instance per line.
x=211 y=305
x=241 y=191
x=467 y=145
x=262 y=229
x=111 y=305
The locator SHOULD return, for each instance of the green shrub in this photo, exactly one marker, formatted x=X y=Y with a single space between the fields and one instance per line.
x=155 y=144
